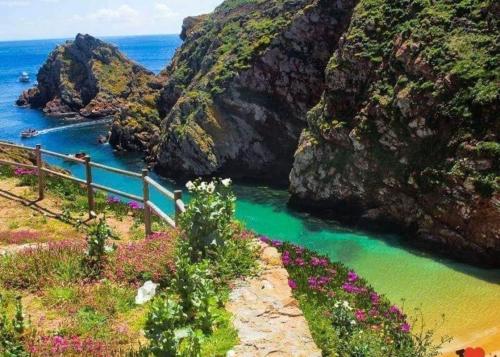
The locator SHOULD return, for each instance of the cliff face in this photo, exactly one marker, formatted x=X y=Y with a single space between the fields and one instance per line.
x=90 y=78
x=406 y=132
x=239 y=88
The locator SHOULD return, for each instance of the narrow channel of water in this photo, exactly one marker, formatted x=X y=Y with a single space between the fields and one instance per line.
x=468 y=296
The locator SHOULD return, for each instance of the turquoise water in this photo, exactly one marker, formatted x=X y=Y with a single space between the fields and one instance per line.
x=470 y=297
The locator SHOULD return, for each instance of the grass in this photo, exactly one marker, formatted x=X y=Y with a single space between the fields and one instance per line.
x=223 y=338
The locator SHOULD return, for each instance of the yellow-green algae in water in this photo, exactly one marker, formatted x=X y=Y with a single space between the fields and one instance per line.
x=469 y=297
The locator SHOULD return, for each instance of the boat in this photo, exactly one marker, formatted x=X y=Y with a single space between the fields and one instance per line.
x=24 y=77
x=78 y=155
x=29 y=133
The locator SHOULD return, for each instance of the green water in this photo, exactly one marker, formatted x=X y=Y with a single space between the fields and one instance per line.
x=469 y=297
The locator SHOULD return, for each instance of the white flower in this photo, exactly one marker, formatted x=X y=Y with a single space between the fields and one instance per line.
x=211 y=187
x=203 y=186
x=346 y=305
x=190 y=185
x=226 y=182
x=353 y=322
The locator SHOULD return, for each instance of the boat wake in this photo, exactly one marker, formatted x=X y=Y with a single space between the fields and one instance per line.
x=76 y=125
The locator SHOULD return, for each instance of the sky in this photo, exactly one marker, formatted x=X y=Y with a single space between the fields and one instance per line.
x=47 y=19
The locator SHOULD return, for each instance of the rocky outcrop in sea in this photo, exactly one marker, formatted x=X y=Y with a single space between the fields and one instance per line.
x=90 y=78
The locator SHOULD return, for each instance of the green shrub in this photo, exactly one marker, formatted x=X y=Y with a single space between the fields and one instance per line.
x=167 y=331
x=207 y=221
x=11 y=330
x=97 y=236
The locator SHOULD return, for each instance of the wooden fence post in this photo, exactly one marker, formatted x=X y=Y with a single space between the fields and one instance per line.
x=41 y=176
x=147 y=210
x=177 y=196
x=90 y=190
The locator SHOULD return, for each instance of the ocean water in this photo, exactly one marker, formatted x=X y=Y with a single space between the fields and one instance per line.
x=469 y=297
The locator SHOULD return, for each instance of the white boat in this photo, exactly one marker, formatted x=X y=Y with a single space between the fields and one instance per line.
x=24 y=77
x=29 y=133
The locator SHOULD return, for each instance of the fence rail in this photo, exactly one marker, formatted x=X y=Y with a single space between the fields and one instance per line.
x=91 y=186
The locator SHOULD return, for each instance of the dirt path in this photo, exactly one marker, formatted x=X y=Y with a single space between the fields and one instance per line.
x=267 y=316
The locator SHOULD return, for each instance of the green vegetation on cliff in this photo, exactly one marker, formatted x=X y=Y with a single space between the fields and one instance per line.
x=411 y=109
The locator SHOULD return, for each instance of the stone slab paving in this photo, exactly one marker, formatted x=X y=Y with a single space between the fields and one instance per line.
x=266 y=315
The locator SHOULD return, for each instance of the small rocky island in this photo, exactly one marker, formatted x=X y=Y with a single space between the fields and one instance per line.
x=379 y=114
x=92 y=79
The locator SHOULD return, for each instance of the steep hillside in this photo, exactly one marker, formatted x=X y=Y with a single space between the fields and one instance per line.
x=239 y=88
x=407 y=131
x=90 y=78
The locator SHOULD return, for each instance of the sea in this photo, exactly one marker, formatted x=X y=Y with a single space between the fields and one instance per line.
x=469 y=297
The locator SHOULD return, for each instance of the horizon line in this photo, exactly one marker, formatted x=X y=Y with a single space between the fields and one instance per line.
x=96 y=36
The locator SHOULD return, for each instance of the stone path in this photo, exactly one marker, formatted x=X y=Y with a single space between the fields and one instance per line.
x=267 y=317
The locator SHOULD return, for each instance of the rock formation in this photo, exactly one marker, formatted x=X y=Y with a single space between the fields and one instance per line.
x=92 y=79
x=406 y=134
x=239 y=88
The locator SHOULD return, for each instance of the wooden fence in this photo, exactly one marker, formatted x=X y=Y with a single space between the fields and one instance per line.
x=91 y=186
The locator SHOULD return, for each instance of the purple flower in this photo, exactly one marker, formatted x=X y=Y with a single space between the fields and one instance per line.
x=405 y=327
x=276 y=243
x=352 y=289
x=395 y=310
x=112 y=200
x=134 y=205
x=292 y=284
x=315 y=261
x=360 y=315
x=285 y=258
x=352 y=277
x=375 y=298
x=22 y=172
x=265 y=239
x=313 y=282
x=299 y=261
x=299 y=250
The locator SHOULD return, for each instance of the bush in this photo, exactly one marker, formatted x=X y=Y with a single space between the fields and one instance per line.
x=167 y=331
x=196 y=292
x=207 y=220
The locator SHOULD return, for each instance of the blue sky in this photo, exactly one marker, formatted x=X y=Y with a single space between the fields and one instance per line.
x=36 y=19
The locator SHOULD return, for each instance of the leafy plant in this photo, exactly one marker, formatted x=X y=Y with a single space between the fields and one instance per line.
x=167 y=331
x=97 y=236
x=207 y=220
x=11 y=330
x=196 y=292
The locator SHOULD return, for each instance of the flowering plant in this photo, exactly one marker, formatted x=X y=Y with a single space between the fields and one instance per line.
x=207 y=220
x=347 y=315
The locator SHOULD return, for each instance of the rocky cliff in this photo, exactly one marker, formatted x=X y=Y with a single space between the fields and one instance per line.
x=239 y=88
x=406 y=134
x=90 y=78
